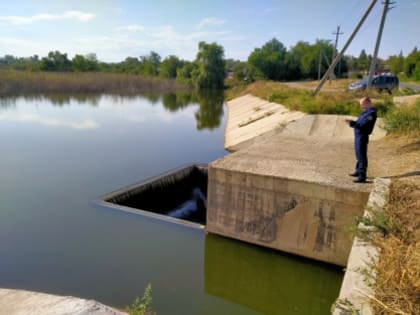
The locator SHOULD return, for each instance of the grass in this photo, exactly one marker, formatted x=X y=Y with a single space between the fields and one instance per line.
x=397 y=281
x=404 y=119
x=14 y=83
x=300 y=97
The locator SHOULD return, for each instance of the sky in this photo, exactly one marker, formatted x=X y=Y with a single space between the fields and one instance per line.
x=114 y=30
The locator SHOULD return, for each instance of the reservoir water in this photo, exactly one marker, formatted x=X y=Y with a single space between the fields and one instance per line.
x=59 y=154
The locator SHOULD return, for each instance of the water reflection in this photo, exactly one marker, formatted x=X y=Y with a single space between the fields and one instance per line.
x=208 y=115
x=267 y=281
x=210 y=111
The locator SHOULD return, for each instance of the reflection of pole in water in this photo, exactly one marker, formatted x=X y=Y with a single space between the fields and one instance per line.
x=197 y=202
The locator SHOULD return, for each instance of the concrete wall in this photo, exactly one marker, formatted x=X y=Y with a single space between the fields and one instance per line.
x=362 y=255
x=304 y=218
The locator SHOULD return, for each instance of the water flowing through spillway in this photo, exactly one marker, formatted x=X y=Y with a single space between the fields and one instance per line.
x=178 y=194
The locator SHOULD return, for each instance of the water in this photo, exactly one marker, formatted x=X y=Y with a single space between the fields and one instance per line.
x=58 y=154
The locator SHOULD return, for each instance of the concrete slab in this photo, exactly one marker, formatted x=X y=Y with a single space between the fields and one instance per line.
x=251 y=119
x=249 y=116
x=288 y=188
x=20 y=302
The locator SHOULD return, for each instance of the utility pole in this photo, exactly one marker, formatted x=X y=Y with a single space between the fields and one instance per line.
x=378 y=42
x=335 y=61
x=337 y=34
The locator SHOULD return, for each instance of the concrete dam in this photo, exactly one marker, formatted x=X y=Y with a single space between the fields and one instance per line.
x=285 y=186
x=288 y=188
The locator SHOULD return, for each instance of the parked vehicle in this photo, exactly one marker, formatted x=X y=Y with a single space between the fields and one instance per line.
x=383 y=82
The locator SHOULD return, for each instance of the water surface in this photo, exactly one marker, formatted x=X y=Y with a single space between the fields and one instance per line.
x=59 y=154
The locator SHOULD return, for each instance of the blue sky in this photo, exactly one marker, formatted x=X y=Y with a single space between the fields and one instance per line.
x=116 y=29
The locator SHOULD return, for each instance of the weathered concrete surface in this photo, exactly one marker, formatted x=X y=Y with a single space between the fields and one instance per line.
x=287 y=194
x=252 y=120
x=291 y=192
x=249 y=117
x=354 y=288
x=20 y=302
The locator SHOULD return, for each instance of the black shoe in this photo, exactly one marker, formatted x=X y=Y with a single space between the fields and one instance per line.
x=355 y=174
x=360 y=180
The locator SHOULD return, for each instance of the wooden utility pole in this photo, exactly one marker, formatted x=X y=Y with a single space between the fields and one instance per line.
x=337 y=34
x=378 y=42
x=335 y=61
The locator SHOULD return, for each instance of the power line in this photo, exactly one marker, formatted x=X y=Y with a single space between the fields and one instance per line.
x=334 y=63
x=337 y=34
x=378 y=41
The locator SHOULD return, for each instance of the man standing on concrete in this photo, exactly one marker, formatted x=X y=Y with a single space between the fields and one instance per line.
x=363 y=127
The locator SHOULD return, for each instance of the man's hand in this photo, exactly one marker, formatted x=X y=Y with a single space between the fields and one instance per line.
x=347 y=121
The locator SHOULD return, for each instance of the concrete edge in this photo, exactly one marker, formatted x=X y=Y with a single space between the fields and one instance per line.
x=22 y=302
x=354 y=289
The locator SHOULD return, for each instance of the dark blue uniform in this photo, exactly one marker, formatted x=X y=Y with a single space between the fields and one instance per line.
x=363 y=127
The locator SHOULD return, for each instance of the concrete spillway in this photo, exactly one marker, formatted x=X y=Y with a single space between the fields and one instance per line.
x=291 y=191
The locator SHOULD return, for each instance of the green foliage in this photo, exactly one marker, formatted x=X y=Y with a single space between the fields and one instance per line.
x=142 y=306
x=169 y=67
x=411 y=61
x=268 y=62
x=396 y=63
x=84 y=63
x=209 y=72
x=149 y=64
x=416 y=71
x=55 y=61
x=403 y=119
x=364 y=61
x=184 y=74
x=272 y=61
x=304 y=101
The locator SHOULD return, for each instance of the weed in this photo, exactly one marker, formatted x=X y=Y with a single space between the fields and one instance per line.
x=142 y=306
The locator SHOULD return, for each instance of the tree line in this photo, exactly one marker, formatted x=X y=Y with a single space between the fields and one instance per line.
x=272 y=61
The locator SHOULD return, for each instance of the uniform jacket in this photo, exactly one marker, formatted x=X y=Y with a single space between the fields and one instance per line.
x=365 y=122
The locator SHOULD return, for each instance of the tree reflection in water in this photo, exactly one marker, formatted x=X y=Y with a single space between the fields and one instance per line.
x=208 y=115
x=210 y=102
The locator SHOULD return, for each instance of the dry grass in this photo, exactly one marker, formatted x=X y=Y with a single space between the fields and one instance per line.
x=397 y=286
x=23 y=82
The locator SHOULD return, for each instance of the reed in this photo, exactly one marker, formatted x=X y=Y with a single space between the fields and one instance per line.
x=25 y=82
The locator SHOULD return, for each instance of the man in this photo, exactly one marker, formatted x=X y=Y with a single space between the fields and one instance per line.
x=363 y=127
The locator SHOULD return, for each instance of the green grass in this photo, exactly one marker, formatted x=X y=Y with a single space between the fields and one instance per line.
x=404 y=119
x=339 y=102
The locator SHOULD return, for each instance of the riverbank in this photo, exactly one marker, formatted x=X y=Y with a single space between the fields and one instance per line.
x=14 y=83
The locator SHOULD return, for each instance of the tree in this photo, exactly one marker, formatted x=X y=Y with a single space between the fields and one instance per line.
x=269 y=61
x=55 y=61
x=184 y=74
x=84 y=63
x=210 y=66
x=150 y=64
x=170 y=66
x=396 y=63
x=410 y=62
x=363 y=61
